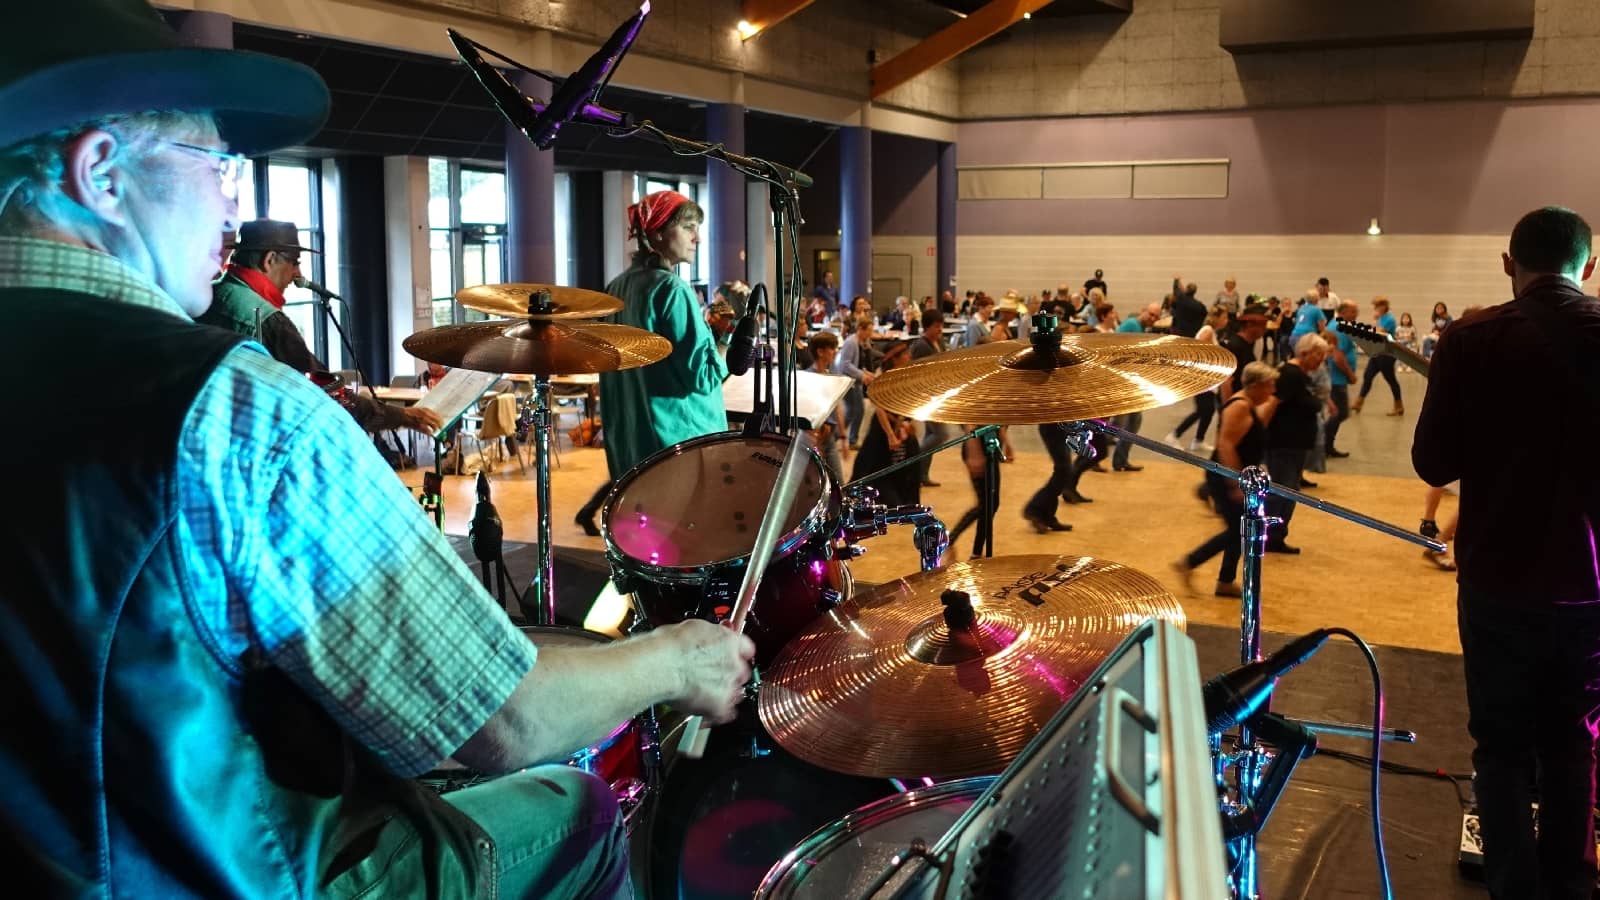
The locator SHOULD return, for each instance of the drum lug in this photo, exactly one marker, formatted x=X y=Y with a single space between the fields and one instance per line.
x=851 y=551
x=829 y=600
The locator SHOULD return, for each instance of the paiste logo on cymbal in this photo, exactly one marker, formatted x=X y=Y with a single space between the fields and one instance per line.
x=1032 y=587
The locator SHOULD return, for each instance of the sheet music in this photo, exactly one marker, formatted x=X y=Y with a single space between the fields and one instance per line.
x=451 y=395
x=816 y=394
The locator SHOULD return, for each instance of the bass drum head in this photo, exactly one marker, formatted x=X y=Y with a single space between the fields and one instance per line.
x=721 y=822
x=700 y=502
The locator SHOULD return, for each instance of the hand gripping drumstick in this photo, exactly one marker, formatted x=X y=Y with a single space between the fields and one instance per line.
x=790 y=476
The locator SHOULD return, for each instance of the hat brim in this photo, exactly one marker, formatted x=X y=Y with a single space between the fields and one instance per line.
x=261 y=102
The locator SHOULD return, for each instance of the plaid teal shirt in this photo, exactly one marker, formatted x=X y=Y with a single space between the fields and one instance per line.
x=298 y=539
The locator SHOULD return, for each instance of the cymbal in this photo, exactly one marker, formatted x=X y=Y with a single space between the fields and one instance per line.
x=520 y=301
x=1095 y=376
x=883 y=686
x=538 y=348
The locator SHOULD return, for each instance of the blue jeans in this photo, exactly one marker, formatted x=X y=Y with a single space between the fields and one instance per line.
x=1533 y=697
x=854 y=410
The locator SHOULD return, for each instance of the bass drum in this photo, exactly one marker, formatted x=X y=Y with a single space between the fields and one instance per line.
x=719 y=823
x=680 y=526
x=844 y=859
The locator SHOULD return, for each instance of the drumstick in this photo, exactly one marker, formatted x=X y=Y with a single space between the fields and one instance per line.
x=790 y=476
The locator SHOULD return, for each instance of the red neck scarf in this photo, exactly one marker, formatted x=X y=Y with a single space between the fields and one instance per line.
x=257 y=281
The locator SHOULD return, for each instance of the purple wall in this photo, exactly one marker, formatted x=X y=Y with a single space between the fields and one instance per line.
x=905 y=197
x=1469 y=167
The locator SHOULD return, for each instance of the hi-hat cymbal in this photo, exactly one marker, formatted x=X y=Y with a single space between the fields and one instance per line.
x=884 y=686
x=1011 y=383
x=538 y=348
x=527 y=301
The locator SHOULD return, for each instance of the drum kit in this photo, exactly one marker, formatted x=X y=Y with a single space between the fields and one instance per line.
x=935 y=681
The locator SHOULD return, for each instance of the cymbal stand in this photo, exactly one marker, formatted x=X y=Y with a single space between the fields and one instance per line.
x=542 y=593
x=1250 y=758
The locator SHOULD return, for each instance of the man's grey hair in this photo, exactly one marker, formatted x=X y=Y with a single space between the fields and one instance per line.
x=1309 y=343
x=31 y=171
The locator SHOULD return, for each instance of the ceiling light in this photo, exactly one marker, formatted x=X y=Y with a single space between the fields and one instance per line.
x=746 y=30
x=1373 y=228
x=1027 y=15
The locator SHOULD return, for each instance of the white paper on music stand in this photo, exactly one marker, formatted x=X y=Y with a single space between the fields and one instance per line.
x=816 y=394
x=451 y=395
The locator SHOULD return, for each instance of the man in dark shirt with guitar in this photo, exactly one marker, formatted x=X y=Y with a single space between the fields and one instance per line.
x=1528 y=598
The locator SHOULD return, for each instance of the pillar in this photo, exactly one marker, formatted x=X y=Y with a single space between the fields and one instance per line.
x=725 y=196
x=945 y=224
x=855 y=213
x=530 y=198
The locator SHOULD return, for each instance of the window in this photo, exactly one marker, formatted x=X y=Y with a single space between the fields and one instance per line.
x=467 y=228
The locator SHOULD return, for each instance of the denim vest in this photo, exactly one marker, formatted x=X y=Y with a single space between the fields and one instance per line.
x=128 y=761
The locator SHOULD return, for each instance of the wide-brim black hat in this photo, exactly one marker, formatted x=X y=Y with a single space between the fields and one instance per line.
x=73 y=61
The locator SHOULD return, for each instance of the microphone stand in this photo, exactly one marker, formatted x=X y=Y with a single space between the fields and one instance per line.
x=1251 y=758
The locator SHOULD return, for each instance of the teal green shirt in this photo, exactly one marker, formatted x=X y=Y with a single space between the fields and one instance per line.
x=651 y=408
x=1131 y=324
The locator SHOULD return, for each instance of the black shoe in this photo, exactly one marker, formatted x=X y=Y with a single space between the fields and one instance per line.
x=586 y=522
x=1307 y=484
x=1075 y=497
x=1129 y=467
x=1043 y=525
x=930 y=484
x=1336 y=454
x=1281 y=547
x=1429 y=529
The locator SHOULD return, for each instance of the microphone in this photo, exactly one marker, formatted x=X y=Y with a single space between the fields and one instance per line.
x=571 y=101
x=301 y=281
x=1236 y=695
x=485 y=531
x=742 y=346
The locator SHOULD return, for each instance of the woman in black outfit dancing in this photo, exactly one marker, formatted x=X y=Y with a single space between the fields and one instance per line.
x=1241 y=442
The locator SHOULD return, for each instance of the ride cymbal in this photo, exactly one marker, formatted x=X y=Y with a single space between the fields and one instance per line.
x=541 y=302
x=892 y=685
x=538 y=348
x=1093 y=376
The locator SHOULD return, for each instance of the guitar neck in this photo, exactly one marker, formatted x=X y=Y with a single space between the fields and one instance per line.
x=1408 y=356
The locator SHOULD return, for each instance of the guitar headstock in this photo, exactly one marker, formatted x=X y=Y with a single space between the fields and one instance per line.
x=1370 y=338
x=1376 y=343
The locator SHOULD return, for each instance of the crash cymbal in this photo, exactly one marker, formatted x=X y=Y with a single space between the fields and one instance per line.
x=884 y=686
x=538 y=348
x=544 y=302
x=1011 y=383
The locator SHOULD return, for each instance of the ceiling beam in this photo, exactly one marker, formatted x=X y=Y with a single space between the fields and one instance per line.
x=988 y=21
x=756 y=16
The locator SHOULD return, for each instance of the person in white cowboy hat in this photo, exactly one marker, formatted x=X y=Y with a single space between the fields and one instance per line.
x=229 y=638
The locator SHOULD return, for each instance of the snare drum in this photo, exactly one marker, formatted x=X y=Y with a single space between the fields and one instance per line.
x=844 y=858
x=679 y=529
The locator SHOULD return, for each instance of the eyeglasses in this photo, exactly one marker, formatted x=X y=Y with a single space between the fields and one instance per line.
x=229 y=166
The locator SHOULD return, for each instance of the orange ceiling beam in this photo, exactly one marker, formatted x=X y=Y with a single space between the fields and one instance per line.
x=951 y=42
x=760 y=15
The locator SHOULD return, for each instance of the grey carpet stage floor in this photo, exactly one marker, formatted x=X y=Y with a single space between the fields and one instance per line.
x=1318 y=843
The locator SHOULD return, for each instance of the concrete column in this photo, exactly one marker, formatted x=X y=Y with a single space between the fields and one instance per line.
x=855 y=213
x=945 y=223
x=207 y=29
x=616 y=192
x=725 y=196
x=410 y=272
x=760 y=258
x=530 y=198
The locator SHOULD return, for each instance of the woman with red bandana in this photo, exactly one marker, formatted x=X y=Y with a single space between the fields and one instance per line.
x=651 y=408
